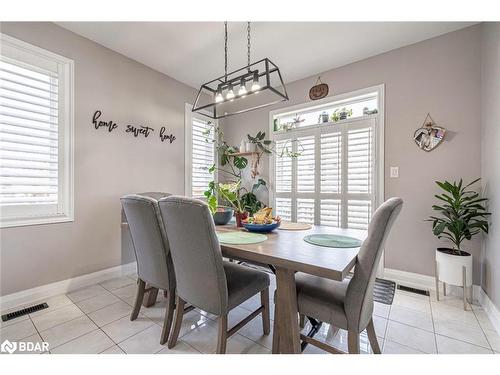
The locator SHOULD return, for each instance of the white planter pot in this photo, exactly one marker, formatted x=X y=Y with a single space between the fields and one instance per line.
x=251 y=147
x=449 y=268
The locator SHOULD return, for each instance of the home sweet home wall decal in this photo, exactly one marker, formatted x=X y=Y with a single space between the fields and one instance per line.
x=135 y=130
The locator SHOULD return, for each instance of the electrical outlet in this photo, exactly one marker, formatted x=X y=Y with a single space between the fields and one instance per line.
x=394 y=172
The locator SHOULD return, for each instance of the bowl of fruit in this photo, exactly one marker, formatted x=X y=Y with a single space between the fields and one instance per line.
x=262 y=221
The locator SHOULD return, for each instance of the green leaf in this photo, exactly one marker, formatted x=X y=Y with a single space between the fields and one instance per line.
x=240 y=162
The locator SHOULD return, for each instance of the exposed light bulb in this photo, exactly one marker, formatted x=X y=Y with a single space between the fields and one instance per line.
x=230 y=92
x=243 y=90
x=218 y=97
x=255 y=85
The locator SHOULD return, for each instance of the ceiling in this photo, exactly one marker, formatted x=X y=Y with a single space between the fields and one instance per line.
x=193 y=52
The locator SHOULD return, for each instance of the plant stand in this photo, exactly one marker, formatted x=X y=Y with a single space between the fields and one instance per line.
x=454 y=274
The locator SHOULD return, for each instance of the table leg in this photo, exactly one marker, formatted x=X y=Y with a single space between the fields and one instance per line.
x=289 y=331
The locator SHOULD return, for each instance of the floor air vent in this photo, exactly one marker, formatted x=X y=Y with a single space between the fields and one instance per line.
x=413 y=290
x=27 y=310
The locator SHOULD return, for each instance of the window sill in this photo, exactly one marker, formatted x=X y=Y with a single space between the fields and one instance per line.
x=39 y=220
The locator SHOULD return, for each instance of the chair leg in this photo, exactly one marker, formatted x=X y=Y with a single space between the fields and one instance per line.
x=372 y=337
x=139 y=296
x=302 y=320
x=266 y=320
x=169 y=314
x=150 y=299
x=222 y=334
x=179 y=313
x=276 y=337
x=353 y=342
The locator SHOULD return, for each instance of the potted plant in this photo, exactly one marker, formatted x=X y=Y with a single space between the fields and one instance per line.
x=341 y=114
x=462 y=217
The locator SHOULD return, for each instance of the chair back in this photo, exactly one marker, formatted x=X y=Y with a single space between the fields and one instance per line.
x=196 y=253
x=359 y=297
x=154 y=263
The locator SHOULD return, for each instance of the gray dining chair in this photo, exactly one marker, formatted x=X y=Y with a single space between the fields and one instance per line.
x=347 y=304
x=155 y=270
x=204 y=280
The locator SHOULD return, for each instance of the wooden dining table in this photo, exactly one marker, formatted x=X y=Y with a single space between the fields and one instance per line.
x=288 y=253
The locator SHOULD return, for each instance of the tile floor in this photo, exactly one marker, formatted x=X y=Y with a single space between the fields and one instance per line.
x=95 y=319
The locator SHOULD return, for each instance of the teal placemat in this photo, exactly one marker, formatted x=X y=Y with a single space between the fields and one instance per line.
x=240 y=238
x=332 y=240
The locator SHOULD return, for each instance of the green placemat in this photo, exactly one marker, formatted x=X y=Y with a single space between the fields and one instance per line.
x=240 y=238
x=332 y=240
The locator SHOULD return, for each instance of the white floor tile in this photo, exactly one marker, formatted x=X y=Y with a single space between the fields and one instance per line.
x=110 y=313
x=412 y=337
x=91 y=343
x=118 y=282
x=380 y=326
x=191 y=320
x=144 y=342
x=85 y=293
x=413 y=303
x=127 y=293
x=381 y=309
x=412 y=318
x=18 y=331
x=446 y=345
x=238 y=344
x=203 y=338
x=180 y=348
x=113 y=350
x=493 y=339
x=460 y=331
x=55 y=302
x=391 y=347
x=123 y=328
x=484 y=320
x=68 y=331
x=253 y=331
x=98 y=302
x=452 y=313
x=56 y=317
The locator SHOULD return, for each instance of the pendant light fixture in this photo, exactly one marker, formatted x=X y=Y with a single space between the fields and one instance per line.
x=235 y=92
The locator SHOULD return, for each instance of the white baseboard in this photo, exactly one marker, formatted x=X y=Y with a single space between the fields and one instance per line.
x=24 y=297
x=490 y=309
x=411 y=279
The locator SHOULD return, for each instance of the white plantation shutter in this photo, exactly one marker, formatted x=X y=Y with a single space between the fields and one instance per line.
x=331 y=182
x=203 y=156
x=35 y=143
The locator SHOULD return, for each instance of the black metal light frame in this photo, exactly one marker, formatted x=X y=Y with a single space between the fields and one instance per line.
x=210 y=110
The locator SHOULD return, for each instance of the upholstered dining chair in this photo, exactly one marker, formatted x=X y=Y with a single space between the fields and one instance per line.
x=347 y=304
x=204 y=280
x=154 y=263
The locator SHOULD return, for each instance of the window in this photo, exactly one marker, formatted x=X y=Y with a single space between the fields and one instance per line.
x=36 y=135
x=200 y=154
x=336 y=179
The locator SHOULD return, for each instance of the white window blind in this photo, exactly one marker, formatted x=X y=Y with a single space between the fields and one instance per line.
x=35 y=136
x=332 y=181
x=202 y=154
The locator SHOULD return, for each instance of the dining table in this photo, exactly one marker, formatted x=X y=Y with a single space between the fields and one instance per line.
x=287 y=253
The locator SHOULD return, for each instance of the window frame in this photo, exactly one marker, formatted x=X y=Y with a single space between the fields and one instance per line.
x=315 y=130
x=65 y=206
x=188 y=147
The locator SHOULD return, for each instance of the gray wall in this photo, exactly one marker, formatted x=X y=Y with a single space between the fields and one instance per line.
x=106 y=165
x=440 y=76
x=490 y=156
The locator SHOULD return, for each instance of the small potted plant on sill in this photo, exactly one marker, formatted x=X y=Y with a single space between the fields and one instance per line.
x=462 y=217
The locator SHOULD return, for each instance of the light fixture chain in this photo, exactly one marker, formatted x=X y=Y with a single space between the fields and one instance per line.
x=248 y=45
x=225 y=50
